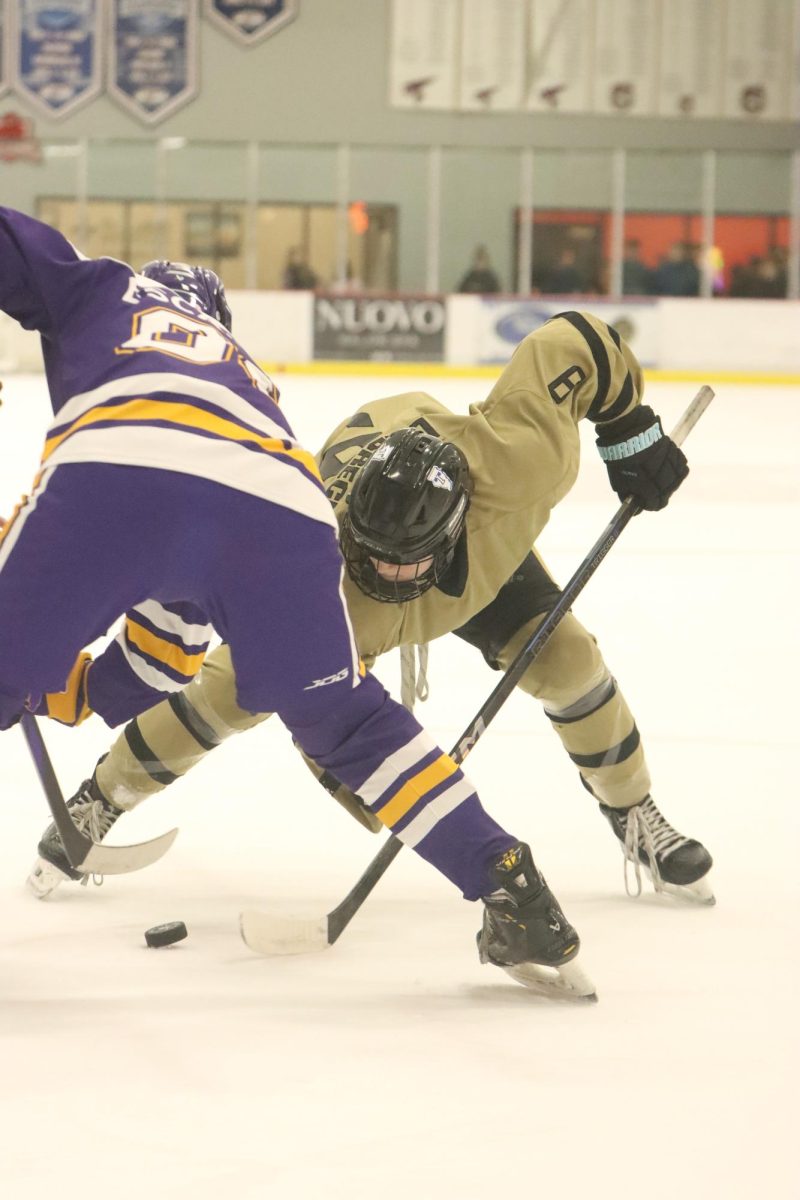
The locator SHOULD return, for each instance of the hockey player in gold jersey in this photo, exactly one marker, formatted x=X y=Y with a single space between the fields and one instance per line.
x=439 y=514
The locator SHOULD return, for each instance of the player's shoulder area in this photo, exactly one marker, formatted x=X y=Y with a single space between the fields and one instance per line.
x=239 y=382
x=400 y=409
x=382 y=416
x=568 y=324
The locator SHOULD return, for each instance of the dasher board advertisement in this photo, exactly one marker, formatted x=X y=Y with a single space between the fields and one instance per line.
x=380 y=328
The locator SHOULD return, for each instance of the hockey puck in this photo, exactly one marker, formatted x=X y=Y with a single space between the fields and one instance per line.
x=165 y=935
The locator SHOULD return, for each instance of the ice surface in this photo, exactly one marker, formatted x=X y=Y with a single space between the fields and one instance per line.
x=394 y=1064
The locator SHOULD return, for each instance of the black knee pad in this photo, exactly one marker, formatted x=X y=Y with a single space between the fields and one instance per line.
x=528 y=593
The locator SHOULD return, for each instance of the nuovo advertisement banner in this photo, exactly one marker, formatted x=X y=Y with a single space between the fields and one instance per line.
x=380 y=328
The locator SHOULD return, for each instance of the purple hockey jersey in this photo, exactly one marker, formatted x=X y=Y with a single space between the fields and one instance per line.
x=139 y=378
x=120 y=376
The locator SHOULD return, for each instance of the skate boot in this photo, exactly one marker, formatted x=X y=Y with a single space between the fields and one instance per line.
x=94 y=816
x=676 y=864
x=525 y=932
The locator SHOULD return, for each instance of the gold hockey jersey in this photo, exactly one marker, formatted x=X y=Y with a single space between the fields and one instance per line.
x=523 y=451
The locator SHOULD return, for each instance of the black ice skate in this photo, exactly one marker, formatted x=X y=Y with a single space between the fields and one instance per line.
x=526 y=933
x=676 y=864
x=94 y=816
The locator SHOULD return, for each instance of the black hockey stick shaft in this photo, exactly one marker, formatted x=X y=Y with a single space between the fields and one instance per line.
x=340 y=917
x=83 y=853
x=76 y=845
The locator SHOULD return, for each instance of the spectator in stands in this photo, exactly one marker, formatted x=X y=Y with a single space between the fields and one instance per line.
x=637 y=278
x=766 y=281
x=677 y=274
x=761 y=278
x=481 y=276
x=566 y=277
x=779 y=257
x=742 y=278
x=297 y=274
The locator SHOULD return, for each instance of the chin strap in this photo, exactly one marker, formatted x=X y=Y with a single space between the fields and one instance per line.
x=413 y=678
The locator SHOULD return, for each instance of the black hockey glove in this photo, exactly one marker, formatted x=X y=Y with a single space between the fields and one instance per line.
x=642 y=461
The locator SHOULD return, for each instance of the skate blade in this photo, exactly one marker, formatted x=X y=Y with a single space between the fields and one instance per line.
x=45 y=878
x=699 y=892
x=568 y=982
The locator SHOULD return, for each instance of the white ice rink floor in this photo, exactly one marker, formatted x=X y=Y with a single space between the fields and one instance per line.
x=394 y=1065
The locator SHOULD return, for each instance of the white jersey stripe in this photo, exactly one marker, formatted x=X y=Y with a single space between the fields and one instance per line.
x=395 y=765
x=170 y=622
x=131 y=386
x=439 y=807
x=145 y=671
x=10 y=540
x=258 y=473
x=355 y=657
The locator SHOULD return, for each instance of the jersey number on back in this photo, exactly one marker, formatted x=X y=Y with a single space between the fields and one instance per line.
x=193 y=340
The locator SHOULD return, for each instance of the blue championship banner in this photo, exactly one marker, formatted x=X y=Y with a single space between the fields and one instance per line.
x=250 y=21
x=56 y=56
x=153 y=52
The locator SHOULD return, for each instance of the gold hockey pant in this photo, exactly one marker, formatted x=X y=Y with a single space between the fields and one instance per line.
x=569 y=677
x=582 y=700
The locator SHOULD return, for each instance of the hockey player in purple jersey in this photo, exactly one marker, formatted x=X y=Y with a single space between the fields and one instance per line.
x=170 y=475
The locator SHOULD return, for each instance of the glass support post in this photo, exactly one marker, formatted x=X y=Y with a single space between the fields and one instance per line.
x=793 y=265
x=524 y=265
x=251 y=218
x=618 y=167
x=709 y=184
x=342 y=206
x=434 y=223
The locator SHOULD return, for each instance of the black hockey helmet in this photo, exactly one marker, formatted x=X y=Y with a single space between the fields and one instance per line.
x=203 y=284
x=407 y=505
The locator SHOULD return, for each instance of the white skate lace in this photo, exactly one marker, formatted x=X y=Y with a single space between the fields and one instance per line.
x=92 y=817
x=647 y=829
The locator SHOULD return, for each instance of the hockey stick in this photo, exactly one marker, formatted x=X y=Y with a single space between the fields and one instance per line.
x=268 y=933
x=83 y=853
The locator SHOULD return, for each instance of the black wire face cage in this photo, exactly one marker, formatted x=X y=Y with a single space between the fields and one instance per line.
x=358 y=558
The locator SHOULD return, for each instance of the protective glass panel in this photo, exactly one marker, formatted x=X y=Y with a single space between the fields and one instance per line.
x=663 y=226
x=480 y=196
x=383 y=182
x=751 y=227
x=290 y=183
x=571 y=218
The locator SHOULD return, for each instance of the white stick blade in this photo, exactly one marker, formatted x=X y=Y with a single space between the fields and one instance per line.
x=121 y=860
x=266 y=933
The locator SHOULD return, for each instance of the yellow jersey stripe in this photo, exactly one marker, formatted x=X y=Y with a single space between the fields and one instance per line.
x=163 y=651
x=186 y=387
x=440 y=807
x=181 y=414
x=70 y=707
x=416 y=788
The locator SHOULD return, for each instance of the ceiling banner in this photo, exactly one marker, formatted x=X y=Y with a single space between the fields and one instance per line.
x=153 y=47
x=251 y=21
x=493 y=55
x=56 y=57
x=560 y=56
x=423 y=53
